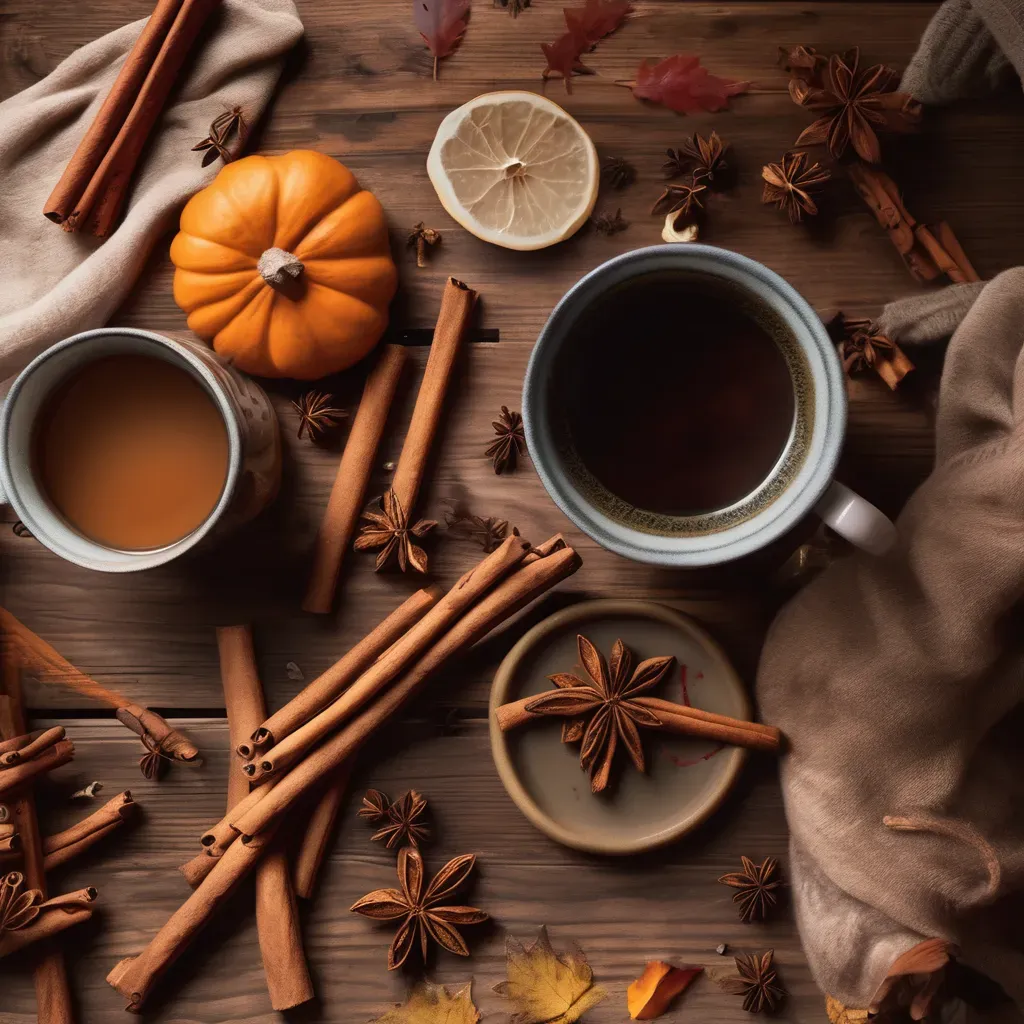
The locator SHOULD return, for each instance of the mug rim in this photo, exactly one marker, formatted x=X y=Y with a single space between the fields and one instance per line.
x=132 y=561
x=828 y=429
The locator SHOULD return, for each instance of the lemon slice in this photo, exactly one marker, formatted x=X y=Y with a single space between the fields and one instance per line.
x=514 y=169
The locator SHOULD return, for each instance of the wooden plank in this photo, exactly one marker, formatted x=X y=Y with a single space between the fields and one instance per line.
x=622 y=912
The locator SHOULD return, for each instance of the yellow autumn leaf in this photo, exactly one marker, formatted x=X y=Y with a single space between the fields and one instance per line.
x=431 y=1004
x=547 y=987
x=840 y=1014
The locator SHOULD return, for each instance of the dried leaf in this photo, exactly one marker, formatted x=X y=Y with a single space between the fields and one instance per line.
x=596 y=19
x=547 y=987
x=431 y=1004
x=441 y=24
x=650 y=995
x=682 y=84
x=563 y=57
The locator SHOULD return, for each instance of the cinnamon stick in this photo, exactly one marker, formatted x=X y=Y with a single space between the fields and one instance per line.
x=54 y=916
x=53 y=994
x=944 y=233
x=326 y=687
x=31 y=651
x=277 y=916
x=675 y=718
x=319 y=827
x=456 y=307
x=440 y=617
x=111 y=116
x=63 y=846
x=135 y=976
x=99 y=205
x=17 y=742
x=17 y=775
x=348 y=492
x=34 y=745
x=530 y=581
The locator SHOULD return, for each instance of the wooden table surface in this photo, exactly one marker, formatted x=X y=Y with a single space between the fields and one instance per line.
x=359 y=88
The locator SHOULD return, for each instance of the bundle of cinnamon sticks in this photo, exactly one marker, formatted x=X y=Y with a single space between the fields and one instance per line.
x=305 y=749
x=91 y=192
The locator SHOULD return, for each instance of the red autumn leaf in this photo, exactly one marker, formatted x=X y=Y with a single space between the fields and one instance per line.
x=682 y=84
x=441 y=23
x=595 y=20
x=563 y=57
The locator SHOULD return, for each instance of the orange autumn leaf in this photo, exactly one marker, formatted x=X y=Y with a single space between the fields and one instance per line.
x=650 y=995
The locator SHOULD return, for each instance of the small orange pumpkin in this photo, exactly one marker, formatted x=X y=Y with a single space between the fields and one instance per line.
x=283 y=263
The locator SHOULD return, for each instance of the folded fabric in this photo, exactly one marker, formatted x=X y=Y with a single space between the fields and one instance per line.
x=54 y=283
x=899 y=681
x=969 y=48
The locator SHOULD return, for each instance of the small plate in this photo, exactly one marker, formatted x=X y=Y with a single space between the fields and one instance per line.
x=685 y=779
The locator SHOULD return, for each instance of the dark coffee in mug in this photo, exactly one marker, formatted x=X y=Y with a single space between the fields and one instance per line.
x=677 y=393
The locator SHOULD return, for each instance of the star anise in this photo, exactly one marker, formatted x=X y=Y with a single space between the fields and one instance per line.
x=605 y=701
x=419 y=909
x=803 y=62
x=421 y=237
x=388 y=529
x=375 y=807
x=154 y=762
x=789 y=185
x=860 y=342
x=510 y=443
x=609 y=223
x=682 y=199
x=618 y=172
x=756 y=884
x=759 y=984
x=700 y=157
x=316 y=414
x=854 y=104
x=19 y=906
x=406 y=823
x=231 y=122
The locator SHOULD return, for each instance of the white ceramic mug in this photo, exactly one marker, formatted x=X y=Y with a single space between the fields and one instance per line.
x=801 y=481
x=254 y=443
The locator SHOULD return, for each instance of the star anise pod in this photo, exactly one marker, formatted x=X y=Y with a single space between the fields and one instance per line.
x=510 y=443
x=19 y=906
x=610 y=223
x=388 y=529
x=854 y=104
x=406 y=822
x=605 y=701
x=231 y=122
x=860 y=342
x=682 y=199
x=418 y=908
x=154 y=762
x=700 y=157
x=420 y=238
x=789 y=185
x=316 y=414
x=756 y=884
x=804 y=63
x=375 y=807
x=618 y=172
x=758 y=983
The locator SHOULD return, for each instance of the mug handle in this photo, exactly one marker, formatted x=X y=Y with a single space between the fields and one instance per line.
x=856 y=519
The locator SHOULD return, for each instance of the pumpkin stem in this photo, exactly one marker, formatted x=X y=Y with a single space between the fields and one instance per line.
x=276 y=266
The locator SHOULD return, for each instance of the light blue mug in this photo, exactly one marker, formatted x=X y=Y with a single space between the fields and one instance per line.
x=801 y=481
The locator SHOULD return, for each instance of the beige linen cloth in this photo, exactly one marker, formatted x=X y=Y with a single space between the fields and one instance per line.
x=52 y=283
x=899 y=682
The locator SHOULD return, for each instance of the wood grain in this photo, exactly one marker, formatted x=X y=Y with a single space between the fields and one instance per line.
x=359 y=88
